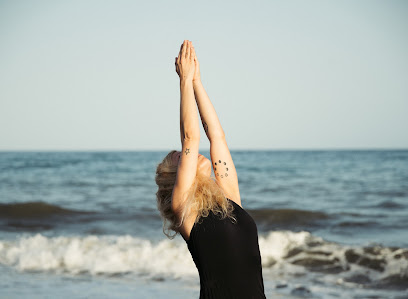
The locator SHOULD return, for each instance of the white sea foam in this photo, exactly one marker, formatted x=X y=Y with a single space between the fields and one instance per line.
x=288 y=253
x=276 y=245
x=98 y=255
x=282 y=251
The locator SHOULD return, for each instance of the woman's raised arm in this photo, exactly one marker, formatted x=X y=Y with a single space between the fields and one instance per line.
x=223 y=165
x=209 y=118
x=189 y=127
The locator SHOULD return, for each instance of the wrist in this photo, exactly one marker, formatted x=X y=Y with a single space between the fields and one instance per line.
x=197 y=81
x=185 y=81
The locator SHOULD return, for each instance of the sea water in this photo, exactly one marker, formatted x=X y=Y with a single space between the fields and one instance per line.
x=331 y=224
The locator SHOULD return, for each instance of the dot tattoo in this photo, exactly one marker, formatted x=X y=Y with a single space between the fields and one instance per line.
x=226 y=169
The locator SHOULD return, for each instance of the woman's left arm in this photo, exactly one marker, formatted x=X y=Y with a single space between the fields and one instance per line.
x=189 y=127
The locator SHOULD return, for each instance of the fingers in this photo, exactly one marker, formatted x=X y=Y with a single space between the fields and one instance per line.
x=176 y=65
x=181 y=50
x=188 y=50
x=193 y=53
x=184 y=48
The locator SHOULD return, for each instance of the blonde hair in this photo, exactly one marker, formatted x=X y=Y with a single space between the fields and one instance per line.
x=205 y=195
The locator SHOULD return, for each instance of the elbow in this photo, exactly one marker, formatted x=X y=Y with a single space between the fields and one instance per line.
x=189 y=136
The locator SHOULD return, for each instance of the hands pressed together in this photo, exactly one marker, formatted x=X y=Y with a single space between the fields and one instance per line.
x=187 y=66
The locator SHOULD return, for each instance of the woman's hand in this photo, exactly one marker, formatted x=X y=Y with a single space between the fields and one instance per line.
x=197 y=76
x=185 y=65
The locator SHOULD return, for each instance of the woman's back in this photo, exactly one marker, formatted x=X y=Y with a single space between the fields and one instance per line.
x=227 y=256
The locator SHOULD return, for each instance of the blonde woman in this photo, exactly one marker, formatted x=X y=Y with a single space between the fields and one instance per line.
x=221 y=236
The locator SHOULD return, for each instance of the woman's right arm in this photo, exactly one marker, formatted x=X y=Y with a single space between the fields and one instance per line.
x=223 y=165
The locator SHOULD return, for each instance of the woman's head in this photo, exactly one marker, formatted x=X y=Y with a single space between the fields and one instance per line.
x=204 y=194
x=203 y=164
x=166 y=173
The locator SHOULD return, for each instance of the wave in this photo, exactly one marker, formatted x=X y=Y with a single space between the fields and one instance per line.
x=368 y=266
x=41 y=209
x=283 y=252
x=40 y=216
x=37 y=216
x=389 y=204
x=387 y=193
x=358 y=224
x=271 y=218
x=96 y=255
x=37 y=209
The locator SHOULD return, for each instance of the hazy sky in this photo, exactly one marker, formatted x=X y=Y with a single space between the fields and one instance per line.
x=84 y=75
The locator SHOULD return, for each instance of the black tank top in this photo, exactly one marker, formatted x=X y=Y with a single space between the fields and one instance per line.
x=227 y=256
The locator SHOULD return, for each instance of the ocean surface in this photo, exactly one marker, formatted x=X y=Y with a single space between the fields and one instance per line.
x=331 y=224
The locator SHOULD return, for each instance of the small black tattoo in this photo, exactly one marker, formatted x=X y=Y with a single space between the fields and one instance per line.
x=187 y=151
x=226 y=169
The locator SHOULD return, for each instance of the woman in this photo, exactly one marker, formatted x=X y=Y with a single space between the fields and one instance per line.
x=221 y=236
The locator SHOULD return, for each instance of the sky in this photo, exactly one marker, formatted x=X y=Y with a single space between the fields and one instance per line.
x=100 y=75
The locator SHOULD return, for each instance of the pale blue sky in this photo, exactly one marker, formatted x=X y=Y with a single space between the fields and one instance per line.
x=99 y=75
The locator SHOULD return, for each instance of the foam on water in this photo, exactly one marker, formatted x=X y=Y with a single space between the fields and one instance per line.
x=284 y=253
x=97 y=255
x=287 y=254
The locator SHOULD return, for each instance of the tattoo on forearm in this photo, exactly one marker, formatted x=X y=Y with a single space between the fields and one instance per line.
x=222 y=168
x=187 y=151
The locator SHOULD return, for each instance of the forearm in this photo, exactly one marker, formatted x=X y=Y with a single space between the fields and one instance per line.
x=189 y=124
x=209 y=118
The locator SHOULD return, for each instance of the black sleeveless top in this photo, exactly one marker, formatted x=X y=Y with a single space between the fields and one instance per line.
x=227 y=256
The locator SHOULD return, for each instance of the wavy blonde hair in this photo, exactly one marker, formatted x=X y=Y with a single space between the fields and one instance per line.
x=205 y=195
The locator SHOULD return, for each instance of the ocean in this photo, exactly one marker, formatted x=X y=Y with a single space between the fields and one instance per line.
x=331 y=224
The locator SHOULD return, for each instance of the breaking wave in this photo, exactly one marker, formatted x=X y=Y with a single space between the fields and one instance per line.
x=35 y=209
x=285 y=252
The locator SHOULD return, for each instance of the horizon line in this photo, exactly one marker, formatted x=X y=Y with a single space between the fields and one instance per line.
x=208 y=149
